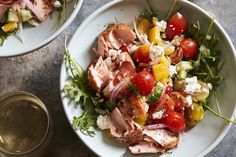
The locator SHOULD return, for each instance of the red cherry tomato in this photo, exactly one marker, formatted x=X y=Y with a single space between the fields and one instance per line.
x=144 y=81
x=180 y=101
x=176 y=26
x=175 y=122
x=165 y=103
x=189 y=47
x=142 y=54
x=177 y=56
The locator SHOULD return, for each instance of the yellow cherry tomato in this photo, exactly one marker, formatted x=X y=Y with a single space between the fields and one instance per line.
x=195 y=114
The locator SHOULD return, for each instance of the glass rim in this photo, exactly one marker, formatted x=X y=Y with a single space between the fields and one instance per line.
x=22 y=95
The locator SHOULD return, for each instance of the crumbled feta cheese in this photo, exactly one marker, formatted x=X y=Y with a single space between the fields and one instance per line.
x=114 y=53
x=189 y=100
x=209 y=85
x=162 y=25
x=132 y=48
x=192 y=86
x=169 y=47
x=144 y=38
x=156 y=51
x=103 y=122
x=57 y=4
x=172 y=70
x=158 y=115
x=176 y=41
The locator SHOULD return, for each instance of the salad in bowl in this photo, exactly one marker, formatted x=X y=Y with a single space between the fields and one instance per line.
x=31 y=24
x=149 y=82
x=13 y=14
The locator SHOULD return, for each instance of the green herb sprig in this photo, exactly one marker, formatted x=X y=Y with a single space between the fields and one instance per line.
x=78 y=91
x=206 y=106
x=134 y=89
x=207 y=65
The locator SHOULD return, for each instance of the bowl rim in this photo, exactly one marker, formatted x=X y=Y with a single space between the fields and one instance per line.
x=50 y=38
x=191 y=4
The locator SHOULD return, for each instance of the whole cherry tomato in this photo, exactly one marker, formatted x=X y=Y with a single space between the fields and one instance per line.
x=144 y=81
x=141 y=55
x=189 y=47
x=175 y=122
x=176 y=26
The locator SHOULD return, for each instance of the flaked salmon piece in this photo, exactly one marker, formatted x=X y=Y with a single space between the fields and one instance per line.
x=155 y=141
x=125 y=57
x=124 y=130
x=40 y=8
x=114 y=37
x=165 y=138
x=99 y=75
x=6 y=2
x=132 y=106
x=147 y=145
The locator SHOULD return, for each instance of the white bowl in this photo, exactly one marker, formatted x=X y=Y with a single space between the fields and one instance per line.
x=209 y=132
x=37 y=37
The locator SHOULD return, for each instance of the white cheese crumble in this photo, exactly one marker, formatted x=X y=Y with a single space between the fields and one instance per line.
x=103 y=122
x=209 y=85
x=162 y=25
x=189 y=100
x=192 y=86
x=156 y=51
x=169 y=46
x=158 y=115
x=176 y=41
x=132 y=48
x=172 y=70
x=144 y=38
x=114 y=53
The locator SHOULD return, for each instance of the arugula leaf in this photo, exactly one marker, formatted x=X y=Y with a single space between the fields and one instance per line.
x=155 y=95
x=206 y=65
x=85 y=122
x=77 y=90
x=206 y=106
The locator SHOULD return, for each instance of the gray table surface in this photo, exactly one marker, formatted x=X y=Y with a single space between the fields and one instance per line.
x=39 y=73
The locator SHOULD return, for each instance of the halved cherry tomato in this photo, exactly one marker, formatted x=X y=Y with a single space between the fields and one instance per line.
x=165 y=103
x=142 y=54
x=175 y=121
x=144 y=81
x=180 y=101
x=189 y=47
x=176 y=26
x=177 y=56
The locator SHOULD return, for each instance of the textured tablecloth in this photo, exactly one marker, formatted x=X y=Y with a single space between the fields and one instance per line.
x=39 y=73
